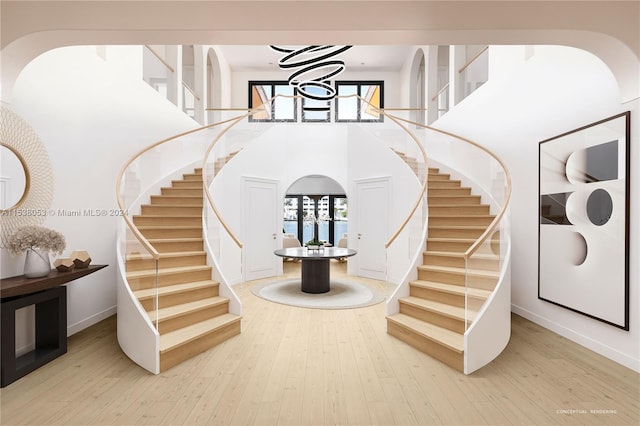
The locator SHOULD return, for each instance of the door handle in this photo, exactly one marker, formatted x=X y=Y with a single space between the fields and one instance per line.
x=359 y=235
x=274 y=236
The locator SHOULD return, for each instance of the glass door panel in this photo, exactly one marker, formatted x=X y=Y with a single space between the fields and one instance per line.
x=290 y=216
x=339 y=218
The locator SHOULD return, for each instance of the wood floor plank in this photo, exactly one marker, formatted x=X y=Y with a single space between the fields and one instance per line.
x=320 y=367
x=313 y=388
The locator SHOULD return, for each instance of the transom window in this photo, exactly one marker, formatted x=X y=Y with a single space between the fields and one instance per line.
x=282 y=109
x=353 y=108
x=348 y=109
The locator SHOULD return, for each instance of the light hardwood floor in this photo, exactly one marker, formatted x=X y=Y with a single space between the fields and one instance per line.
x=314 y=367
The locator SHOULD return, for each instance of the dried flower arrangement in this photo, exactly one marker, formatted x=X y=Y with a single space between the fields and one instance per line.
x=35 y=237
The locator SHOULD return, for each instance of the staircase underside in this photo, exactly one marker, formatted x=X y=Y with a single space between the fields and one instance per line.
x=185 y=305
x=433 y=317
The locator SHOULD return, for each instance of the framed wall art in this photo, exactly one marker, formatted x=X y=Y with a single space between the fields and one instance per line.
x=583 y=227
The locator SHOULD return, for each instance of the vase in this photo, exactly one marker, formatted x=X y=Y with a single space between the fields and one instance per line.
x=37 y=263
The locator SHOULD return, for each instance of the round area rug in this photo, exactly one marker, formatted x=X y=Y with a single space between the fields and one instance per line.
x=342 y=295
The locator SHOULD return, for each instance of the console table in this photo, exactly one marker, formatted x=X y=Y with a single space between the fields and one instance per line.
x=315 y=265
x=50 y=300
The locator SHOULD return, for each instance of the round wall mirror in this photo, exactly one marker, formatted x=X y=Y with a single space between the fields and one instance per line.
x=27 y=177
x=14 y=178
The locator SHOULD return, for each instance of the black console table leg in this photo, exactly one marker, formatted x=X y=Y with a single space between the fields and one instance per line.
x=50 y=331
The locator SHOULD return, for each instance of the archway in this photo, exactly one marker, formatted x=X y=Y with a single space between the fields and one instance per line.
x=315 y=206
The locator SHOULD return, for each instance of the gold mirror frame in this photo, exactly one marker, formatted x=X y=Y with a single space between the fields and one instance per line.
x=27 y=179
x=33 y=208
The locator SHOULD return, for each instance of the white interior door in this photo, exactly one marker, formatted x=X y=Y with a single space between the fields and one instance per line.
x=372 y=204
x=260 y=211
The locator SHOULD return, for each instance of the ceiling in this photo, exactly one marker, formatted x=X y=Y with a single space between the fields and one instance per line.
x=361 y=58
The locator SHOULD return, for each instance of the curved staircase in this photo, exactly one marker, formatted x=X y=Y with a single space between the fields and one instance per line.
x=433 y=317
x=191 y=316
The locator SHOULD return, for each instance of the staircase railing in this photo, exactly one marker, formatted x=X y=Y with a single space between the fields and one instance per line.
x=141 y=176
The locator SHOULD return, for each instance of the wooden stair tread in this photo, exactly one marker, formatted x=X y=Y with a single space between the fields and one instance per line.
x=434 y=182
x=453 y=289
x=166 y=216
x=450 y=311
x=447 y=338
x=176 y=196
x=175 y=240
x=474 y=227
x=454 y=196
x=449 y=201
x=483 y=256
x=463 y=271
x=171 y=206
x=184 y=308
x=181 y=201
x=443 y=239
x=167 y=271
x=458 y=216
x=160 y=227
x=185 y=335
x=172 y=289
x=166 y=255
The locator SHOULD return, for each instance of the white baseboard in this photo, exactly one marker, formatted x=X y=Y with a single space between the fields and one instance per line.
x=88 y=322
x=582 y=340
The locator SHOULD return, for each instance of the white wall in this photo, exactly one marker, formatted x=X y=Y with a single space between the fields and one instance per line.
x=297 y=150
x=91 y=115
x=549 y=91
